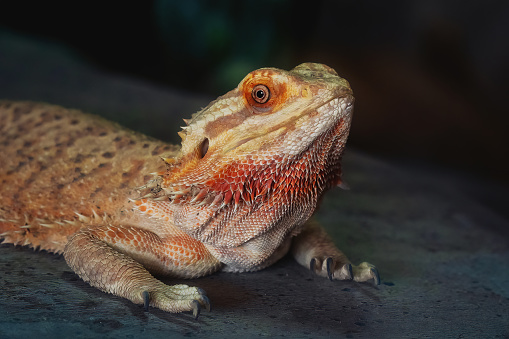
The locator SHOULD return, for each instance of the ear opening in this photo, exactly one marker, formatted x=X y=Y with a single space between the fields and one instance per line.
x=203 y=148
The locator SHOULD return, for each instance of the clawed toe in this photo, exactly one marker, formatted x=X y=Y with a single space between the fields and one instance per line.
x=328 y=262
x=332 y=269
x=196 y=308
x=349 y=268
x=206 y=301
x=365 y=271
x=176 y=298
x=312 y=265
x=146 y=300
x=197 y=305
x=376 y=276
x=203 y=300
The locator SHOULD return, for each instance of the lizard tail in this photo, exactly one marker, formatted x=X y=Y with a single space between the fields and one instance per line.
x=37 y=234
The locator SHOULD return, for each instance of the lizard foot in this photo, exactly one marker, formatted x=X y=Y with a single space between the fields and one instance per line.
x=177 y=298
x=334 y=269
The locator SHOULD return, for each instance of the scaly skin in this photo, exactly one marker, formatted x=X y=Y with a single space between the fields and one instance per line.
x=251 y=170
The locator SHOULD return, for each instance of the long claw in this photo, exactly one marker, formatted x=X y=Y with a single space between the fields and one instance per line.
x=146 y=300
x=328 y=261
x=205 y=299
x=207 y=303
x=196 y=309
x=376 y=276
x=312 y=264
x=350 y=271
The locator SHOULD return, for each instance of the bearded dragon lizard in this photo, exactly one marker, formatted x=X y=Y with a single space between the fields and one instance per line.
x=235 y=197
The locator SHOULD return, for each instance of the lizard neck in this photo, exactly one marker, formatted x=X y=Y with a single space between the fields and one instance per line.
x=255 y=197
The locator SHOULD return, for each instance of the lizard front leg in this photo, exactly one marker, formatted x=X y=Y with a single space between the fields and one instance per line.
x=115 y=259
x=313 y=248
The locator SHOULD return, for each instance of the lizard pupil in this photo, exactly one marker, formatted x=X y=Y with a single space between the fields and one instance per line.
x=261 y=94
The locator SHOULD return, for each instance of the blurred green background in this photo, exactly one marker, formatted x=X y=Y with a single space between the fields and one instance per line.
x=430 y=77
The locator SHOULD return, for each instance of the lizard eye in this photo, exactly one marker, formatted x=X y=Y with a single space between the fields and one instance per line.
x=260 y=94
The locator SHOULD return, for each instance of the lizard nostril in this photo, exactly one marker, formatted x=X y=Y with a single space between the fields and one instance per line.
x=204 y=147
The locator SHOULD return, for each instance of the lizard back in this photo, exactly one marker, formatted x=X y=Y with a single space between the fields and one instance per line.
x=61 y=168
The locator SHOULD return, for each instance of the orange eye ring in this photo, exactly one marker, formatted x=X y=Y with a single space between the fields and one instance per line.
x=260 y=94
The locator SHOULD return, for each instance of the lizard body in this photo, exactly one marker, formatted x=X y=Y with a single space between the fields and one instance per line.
x=236 y=196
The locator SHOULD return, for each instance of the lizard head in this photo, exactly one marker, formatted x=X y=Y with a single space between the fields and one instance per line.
x=275 y=139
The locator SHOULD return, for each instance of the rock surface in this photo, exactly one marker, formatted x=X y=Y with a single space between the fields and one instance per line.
x=442 y=255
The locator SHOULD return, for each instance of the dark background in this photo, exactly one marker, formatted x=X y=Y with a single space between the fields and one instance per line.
x=427 y=158
x=430 y=77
